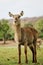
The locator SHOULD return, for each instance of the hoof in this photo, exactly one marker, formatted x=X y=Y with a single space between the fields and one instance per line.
x=34 y=62
x=19 y=62
x=27 y=62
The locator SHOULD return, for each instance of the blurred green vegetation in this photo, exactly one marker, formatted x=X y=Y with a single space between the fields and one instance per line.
x=7 y=33
x=28 y=25
x=5 y=30
x=38 y=25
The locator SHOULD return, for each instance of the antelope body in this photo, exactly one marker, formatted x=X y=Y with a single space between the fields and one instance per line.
x=26 y=36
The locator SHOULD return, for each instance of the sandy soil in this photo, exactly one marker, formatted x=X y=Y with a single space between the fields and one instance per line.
x=11 y=43
x=8 y=43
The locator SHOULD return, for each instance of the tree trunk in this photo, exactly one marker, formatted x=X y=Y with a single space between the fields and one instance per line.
x=4 y=40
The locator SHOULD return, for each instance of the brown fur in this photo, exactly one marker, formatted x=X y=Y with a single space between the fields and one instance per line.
x=25 y=36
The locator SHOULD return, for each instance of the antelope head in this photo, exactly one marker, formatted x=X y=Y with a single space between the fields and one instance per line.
x=16 y=17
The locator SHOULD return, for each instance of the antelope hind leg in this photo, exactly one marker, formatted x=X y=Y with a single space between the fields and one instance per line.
x=33 y=49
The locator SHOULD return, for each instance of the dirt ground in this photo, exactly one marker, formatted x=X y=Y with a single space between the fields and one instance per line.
x=8 y=43
x=11 y=43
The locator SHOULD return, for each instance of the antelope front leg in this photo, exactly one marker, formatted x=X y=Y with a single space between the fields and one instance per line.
x=25 y=49
x=19 y=49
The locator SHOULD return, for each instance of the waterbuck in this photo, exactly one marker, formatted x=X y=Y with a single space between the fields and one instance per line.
x=26 y=36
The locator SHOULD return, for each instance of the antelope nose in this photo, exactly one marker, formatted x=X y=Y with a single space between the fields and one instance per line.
x=15 y=18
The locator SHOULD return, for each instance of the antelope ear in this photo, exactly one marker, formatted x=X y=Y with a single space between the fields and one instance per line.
x=10 y=14
x=21 y=13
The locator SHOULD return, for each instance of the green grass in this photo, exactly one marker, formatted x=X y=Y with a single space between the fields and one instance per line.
x=9 y=56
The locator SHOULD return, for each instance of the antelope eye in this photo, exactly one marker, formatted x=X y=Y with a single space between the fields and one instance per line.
x=18 y=16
